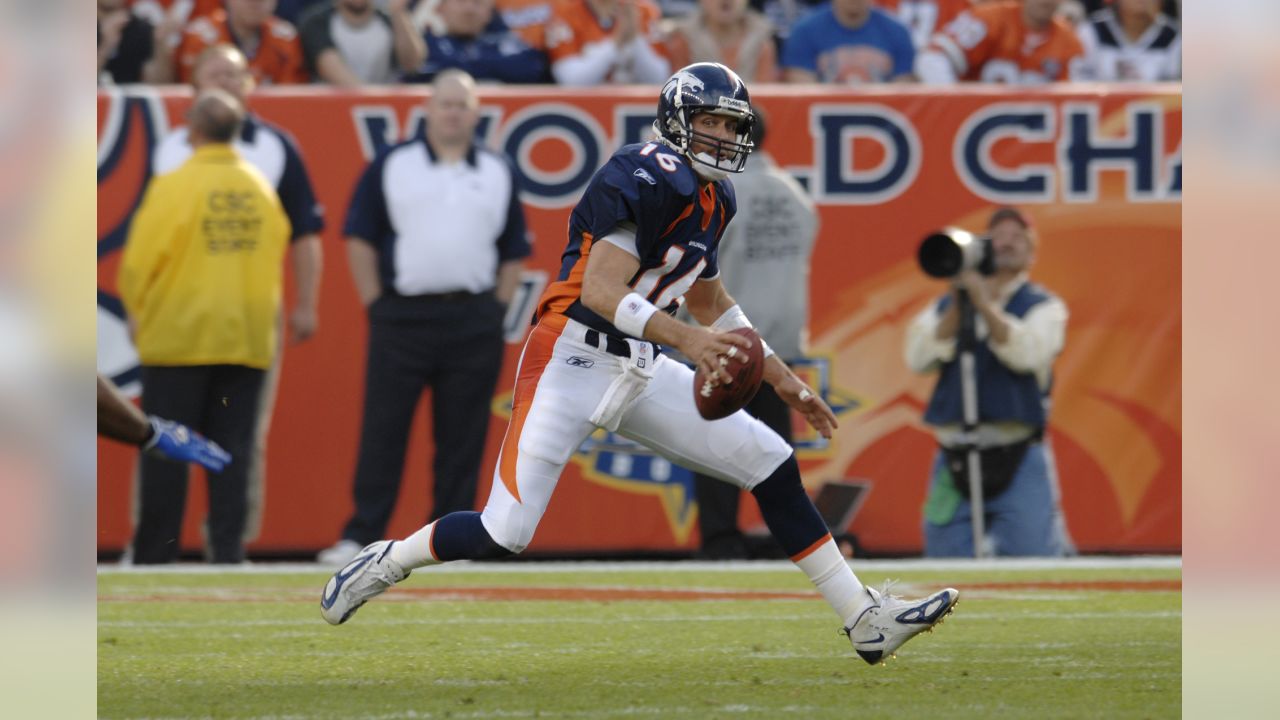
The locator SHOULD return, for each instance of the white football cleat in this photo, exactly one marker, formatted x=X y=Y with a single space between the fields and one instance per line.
x=367 y=576
x=890 y=621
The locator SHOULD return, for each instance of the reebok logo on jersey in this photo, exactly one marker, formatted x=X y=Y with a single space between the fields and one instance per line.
x=581 y=362
x=645 y=176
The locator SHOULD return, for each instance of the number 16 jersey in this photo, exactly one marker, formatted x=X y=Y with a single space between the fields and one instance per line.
x=677 y=219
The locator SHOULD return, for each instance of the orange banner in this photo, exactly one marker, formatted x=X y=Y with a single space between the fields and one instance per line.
x=1099 y=172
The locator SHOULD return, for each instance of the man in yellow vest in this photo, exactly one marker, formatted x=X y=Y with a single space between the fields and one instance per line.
x=201 y=280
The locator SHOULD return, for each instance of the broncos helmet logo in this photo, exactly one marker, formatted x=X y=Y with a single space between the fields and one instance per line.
x=683 y=86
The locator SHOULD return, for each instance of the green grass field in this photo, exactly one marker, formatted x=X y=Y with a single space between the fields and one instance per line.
x=658 y=641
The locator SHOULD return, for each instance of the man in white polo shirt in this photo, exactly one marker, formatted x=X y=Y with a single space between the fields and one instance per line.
x=435 y=241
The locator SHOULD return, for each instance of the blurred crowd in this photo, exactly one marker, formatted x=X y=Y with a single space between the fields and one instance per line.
x=352 y=43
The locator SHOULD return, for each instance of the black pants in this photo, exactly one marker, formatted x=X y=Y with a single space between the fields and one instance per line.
x=454 y=346
x=718 y=500
x=220 y=402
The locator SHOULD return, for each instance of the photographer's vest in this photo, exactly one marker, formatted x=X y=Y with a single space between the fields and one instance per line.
x=1003 y=395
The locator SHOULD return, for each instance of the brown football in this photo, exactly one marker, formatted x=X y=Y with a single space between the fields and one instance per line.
x=720 y=401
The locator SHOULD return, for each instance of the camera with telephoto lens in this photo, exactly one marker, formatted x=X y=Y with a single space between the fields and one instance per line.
x=950 y=251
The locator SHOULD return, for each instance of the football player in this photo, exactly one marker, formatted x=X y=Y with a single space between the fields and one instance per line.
x=644 y=236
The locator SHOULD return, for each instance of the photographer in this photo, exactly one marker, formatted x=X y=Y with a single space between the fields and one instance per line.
x=1019 y=328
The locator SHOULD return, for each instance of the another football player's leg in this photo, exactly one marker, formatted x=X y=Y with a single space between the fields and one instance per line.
x=743 y=451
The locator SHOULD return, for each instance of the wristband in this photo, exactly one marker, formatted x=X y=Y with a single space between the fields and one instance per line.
x=632 y=314
x=734 y=318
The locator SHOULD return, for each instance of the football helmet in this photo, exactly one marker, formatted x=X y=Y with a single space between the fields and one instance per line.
x=712 y=88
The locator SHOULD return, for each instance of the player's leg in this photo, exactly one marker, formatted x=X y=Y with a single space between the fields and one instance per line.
x=742 y=450
x=553 y=398
x=718 y=501
x=555 y=393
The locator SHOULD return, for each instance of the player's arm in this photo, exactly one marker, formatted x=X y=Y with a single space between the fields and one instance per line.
x=121 y=420
x=711 y=305
x=605 y=292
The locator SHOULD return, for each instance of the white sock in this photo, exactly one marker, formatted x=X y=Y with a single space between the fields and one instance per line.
x=415 y=550
x=830 y=573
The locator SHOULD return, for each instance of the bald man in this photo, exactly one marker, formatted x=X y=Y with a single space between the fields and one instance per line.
x=436 y=281
x=201 y=279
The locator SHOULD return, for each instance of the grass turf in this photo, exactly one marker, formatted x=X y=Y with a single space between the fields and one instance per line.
x=1041 y=643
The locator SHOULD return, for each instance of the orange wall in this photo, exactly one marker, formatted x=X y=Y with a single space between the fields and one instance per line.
x=1099 y=172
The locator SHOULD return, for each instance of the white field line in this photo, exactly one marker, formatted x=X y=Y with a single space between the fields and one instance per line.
x=578 y=619
x=1139 y=562
x=648 y=711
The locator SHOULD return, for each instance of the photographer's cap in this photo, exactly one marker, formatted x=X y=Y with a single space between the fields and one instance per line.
x=1009 y=213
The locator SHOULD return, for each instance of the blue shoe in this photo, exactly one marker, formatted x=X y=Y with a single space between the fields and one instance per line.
x=890 y=621
x=367 y=576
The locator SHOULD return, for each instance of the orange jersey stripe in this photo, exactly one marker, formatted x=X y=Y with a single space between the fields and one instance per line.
x=537 y=353
x=810 y=550
x=707 y=198
x=560 y=294
x=687 y=212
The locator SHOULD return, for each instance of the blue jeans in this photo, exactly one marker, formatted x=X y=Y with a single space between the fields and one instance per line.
x=1026 y=519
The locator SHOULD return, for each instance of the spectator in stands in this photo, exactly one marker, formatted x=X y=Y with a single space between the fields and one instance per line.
x=848 y=41
x=924 y=17
x=130 y=49
x=275 y=154
x=1073 y=12
x=292 y=10
x=1006 y=42
x=528 y=19
x=1020 y=328
x=1131 y=40
x=270 y=44
x=473 y=43
x=727 y=32
x=350 y=43
x=201 y=280
x=784 y=14
x=1172 y=8
x=592 y=42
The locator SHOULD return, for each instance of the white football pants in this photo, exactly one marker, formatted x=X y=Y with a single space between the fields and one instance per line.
x=560 y=381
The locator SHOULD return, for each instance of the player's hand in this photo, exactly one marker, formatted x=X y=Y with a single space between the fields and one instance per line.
x=805 y=401
x=174 y=441
x=396 y=6
x=711 y=351
x=303 y=322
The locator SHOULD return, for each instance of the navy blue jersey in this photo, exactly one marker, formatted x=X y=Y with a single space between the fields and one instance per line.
x=678 y=222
